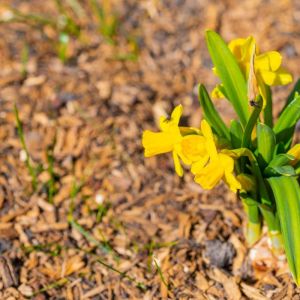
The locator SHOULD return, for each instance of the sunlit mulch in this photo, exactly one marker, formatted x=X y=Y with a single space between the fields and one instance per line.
x=151 y=234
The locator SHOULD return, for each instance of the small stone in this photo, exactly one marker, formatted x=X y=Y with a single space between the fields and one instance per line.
x=99 y=199
x=220 y=254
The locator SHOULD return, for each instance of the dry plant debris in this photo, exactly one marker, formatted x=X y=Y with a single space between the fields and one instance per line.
x=103 y=222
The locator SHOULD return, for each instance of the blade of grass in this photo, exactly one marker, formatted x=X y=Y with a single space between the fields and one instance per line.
x=29 y=166
x=161 y=275
x=24 y=59
x=106 y=248
x=54 y=285
x=123 y=274
x=51 y=182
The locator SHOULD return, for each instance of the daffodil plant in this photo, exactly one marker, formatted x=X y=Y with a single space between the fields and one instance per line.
x=254 y=156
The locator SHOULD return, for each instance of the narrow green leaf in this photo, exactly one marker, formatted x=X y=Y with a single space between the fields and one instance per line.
x=281 y=170
x=287 y=196
x=293 y=93
x=280 y=165
x=211 y=114
x=285 y=126
x=268 y=111
x=236 y=134
x=230 y=74
x=280 y=160
x=266 y=141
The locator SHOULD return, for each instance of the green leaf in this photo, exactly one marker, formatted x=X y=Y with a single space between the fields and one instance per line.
x=280 y=166
x=266 y=141
x=287 y=196
x=293 y=94
x=236 y=134
x=268 y=111
x=211 y=114
x=281 y=170
x=281 y=160
x=285 y=126
x=230 y=74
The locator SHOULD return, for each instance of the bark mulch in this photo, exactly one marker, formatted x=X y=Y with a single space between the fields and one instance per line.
x=103 y=222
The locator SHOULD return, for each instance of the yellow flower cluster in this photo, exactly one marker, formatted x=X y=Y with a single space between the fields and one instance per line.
x=267 y=66
x=196 y=149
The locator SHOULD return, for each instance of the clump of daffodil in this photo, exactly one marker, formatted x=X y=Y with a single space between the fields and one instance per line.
x=252 y=155
x=220 y=165
x=178 y=140
x=267 y=66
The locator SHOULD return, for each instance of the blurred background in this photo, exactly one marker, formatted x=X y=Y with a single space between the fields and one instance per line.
x=82 y=214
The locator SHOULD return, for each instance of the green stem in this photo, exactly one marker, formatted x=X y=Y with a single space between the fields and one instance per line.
x=254 y=224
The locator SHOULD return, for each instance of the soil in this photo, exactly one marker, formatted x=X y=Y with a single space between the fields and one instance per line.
x=104 y=222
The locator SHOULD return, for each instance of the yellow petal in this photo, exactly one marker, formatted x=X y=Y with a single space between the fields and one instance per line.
x=283 y=77
x=227 y=162
x=157 y=143
x=176 y=114
x=189 y=130
x=280 y=77
x=268 y=61
x=199 y=165
x=193 y=147
x=232 y=182
x=178 y=167
x=210 y=144
x=166 y=124
x=241 y=48
x=216 y=93
x=235 y=47
x=210 y=175
x=178 y=150
x=268 y=78
x=262 y=89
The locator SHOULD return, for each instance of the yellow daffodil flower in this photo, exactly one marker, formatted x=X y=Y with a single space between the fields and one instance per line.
x=220 y=166
x=187 y=147
x=267 y=66
x=295 y=151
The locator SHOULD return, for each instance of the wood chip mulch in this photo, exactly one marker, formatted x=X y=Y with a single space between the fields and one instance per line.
x=121 y=226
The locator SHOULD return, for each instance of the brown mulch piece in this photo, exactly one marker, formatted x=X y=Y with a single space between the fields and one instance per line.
x=151 y=235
